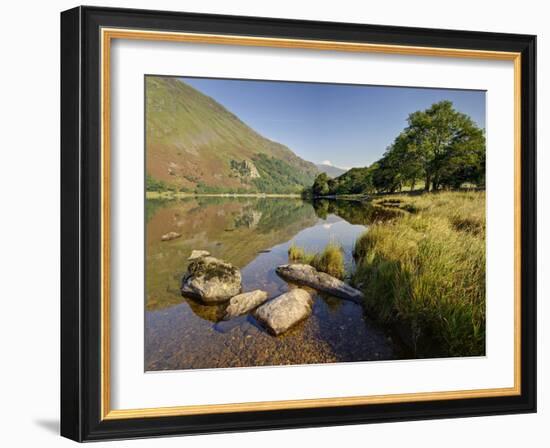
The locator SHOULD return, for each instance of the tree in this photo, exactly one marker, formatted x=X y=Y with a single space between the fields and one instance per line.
x=448 y=145
x=320 y=185
x=386 y=177
x=405 y=159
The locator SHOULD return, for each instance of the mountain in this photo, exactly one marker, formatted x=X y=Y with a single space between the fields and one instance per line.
x=193 y=143
x=330 y=170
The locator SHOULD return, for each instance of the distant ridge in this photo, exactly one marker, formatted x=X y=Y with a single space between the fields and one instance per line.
x=331 y=170
x=193 y=143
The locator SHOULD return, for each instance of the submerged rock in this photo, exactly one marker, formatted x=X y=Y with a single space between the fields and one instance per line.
x=284 y=311
x=170 y=236
x=211 y=280
x=307 y=275
x=243 y=303
x=197 y=254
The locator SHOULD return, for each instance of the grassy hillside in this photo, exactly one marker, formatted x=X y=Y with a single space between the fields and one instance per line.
x=194 y=143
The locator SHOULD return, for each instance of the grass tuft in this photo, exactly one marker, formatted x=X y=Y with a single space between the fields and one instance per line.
x=330 y=260
x=297 y=254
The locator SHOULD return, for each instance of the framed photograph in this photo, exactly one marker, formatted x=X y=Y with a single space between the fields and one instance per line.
x=273 y=223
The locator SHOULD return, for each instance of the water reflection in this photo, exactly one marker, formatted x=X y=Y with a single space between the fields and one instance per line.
x=253 y=234
x=354 y=211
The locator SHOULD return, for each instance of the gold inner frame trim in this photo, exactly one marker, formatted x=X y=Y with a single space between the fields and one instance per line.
x=107 y=35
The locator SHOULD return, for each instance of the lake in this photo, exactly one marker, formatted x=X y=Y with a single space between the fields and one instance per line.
x=253 y=234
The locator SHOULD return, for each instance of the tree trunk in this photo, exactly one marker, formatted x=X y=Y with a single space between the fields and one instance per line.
x=428 y=181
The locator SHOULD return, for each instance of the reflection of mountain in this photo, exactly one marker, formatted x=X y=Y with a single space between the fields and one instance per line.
x=233 y=229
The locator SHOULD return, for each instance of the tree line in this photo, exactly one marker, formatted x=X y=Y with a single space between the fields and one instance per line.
x=440 y=148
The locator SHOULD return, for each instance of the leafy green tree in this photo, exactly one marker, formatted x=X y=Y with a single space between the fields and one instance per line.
x=320 y=185
x=405 y=159
x=386 y=177
x=448 y=145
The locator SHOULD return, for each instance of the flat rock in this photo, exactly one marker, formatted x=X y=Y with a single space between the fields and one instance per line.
x=211 y=280
x=307 y=275
x=243 y=303
x=197 y=254
x=285 y=311
x=170 y=236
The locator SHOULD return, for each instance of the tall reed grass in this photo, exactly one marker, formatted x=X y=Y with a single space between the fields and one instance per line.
x=424 y=273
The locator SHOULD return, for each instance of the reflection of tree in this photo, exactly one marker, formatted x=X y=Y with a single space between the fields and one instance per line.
x=321 y=207
x=354 y=212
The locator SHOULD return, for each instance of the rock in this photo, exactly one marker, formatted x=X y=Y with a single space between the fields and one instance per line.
x=211 y=280
x=170 y=236
x=243 y=303
x=244 y=168
x=197 y=254
x=307 y=275
x=284 y=311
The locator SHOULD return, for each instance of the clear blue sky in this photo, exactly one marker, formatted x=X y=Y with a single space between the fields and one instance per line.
x=348 y=125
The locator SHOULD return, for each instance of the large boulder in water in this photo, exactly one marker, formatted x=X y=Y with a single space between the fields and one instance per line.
x=211 y=280
x=286 y=310
x=307 y=275
x=243 y=303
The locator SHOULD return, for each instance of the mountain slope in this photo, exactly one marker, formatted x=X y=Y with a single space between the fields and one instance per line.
x=330 y=170
x=193 y=143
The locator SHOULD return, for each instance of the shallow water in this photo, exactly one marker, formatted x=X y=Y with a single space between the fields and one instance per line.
x=253 y=234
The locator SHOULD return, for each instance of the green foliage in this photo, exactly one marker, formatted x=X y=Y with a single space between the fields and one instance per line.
x=425 y=273
x=152 y=184
x=320 y=186
x=440 y=144
x=203 y=188
x=330 y=260
x=278 y=176
x=354 y=181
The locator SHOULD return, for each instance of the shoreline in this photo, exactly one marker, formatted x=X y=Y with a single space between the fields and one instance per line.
x=354 y=197
x=179 y=195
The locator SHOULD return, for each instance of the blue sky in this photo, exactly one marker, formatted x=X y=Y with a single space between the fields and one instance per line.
x=347 y=125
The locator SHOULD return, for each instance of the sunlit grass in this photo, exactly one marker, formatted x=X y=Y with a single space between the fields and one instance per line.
x=330 y=260
x=297 y=254
x=425 y=272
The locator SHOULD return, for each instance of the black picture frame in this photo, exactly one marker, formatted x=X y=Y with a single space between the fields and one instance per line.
x=81 y=224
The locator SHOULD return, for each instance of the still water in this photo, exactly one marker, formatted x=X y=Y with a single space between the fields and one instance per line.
x=253 y=234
